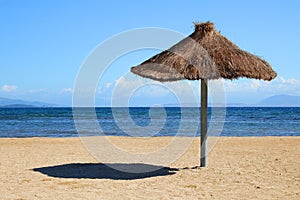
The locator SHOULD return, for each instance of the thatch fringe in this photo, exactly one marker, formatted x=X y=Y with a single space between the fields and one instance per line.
x=205 y=54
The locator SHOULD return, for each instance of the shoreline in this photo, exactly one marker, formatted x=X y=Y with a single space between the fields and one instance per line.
x=223 y=136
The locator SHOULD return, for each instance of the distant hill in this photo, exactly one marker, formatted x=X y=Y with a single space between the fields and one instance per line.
x=17 y=106
x=281 y=100
x=17 y=103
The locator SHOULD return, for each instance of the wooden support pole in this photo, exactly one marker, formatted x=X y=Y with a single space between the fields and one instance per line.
x=203 y=144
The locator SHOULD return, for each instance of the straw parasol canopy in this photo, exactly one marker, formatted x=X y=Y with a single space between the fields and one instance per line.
x=205 y=55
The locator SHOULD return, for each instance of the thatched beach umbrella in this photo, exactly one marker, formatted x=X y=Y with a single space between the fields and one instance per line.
x=205 y=55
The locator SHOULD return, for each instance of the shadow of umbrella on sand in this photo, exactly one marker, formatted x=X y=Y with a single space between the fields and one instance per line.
x=205 y=55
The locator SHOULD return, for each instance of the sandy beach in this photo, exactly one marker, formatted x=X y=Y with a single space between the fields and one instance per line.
x=239 y=168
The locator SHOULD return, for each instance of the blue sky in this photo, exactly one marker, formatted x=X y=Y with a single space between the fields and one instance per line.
x=44 y=43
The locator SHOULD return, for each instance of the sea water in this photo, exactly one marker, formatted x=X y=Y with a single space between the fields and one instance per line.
x=170 y=121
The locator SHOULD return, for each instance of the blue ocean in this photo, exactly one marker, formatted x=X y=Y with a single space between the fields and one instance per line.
x=237 y=121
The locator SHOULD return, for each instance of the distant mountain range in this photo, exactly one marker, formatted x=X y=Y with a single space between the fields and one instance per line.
x=17 y=103
x=275 y=101
x=281 y=100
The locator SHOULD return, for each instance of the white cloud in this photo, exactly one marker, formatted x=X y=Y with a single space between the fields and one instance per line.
x=143 y=91
x=36 y=90
x=9 y=88
x=107 y=85
x=279 y=85
x=150 y=88
x=67 y=90
x=252 y=91
x=288 y=81
x=125 y=87
x=237 y=91
x=105 y=88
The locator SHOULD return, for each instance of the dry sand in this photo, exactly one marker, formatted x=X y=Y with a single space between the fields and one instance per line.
x=239 y=168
